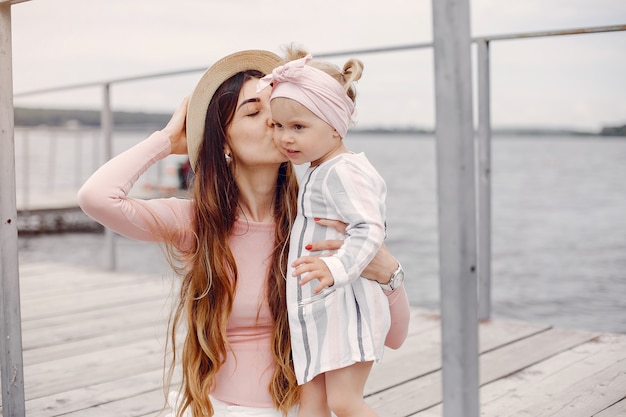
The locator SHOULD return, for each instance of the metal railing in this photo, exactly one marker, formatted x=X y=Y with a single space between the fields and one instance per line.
x=11 y=361
x=483 y=168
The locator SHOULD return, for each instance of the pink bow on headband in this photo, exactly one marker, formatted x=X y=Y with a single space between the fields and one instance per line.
x=314 y=89
x=290 y=71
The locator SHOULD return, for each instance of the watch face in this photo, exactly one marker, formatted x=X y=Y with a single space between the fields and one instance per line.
x=399 y=276
x=396 y=279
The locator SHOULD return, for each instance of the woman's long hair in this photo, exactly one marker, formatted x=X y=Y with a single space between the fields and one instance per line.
x=210 y=277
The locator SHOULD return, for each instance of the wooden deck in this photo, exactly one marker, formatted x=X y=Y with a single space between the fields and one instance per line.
x=94 y=345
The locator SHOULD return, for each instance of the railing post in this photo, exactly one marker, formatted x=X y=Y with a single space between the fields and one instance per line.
x=457 y=207
x=484 y=180
x=78 y=156
x=52 y=156
x=106 y=122
x=11 y=360
x=25 y=172
x=95 y=151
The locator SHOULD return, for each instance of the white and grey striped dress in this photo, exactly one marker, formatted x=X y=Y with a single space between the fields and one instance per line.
x=348 y=322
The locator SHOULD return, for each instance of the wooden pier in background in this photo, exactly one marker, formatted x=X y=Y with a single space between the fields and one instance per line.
x=58 y=211
x=94 y=345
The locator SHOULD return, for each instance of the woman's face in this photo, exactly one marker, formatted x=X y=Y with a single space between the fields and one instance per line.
x=250 y=134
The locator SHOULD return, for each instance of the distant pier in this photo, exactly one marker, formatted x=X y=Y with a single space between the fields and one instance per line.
x=59 y=212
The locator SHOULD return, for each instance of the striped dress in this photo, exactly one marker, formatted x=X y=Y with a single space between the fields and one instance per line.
x=348 y=322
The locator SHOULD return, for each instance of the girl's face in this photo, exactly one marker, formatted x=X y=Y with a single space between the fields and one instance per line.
x=250 y=134
x=301 y=135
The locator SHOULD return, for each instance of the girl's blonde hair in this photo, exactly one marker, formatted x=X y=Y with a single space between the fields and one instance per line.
x=351 y=73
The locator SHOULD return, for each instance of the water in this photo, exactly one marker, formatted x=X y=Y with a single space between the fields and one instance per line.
x=559 y=223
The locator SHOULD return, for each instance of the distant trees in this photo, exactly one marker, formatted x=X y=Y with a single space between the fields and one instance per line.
x=614 y=131
x=29 y=117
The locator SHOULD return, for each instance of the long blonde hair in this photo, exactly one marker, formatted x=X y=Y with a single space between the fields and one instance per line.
x=210 y=274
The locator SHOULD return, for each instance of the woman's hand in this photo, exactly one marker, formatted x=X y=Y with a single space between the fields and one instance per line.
x=382 y=266
x=331 y=244
x=380 y=269
x=175 y=129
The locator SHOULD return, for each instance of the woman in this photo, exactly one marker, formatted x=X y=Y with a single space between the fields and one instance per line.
x=230 y=237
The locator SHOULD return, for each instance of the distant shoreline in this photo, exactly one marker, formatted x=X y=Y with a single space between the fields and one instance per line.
x=34 y=117
x=495 y=131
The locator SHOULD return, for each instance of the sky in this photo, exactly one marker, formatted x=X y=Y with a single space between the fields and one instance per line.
x=569 y=82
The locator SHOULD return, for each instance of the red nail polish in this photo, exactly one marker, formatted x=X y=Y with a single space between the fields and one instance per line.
x=317 y=219
x=308 y=247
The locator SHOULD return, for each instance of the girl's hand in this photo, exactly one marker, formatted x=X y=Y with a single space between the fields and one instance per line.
x=314 y=268
x=380 y=269
x=175 y=129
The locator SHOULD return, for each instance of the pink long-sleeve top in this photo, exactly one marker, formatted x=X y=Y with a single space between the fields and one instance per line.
x=245 y=376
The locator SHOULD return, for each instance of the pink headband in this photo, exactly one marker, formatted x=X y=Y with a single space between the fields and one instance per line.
x=314 y=89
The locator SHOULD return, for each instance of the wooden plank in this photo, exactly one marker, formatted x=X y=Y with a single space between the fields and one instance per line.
x=516 y=391
x=33 y=267
x=495 y=334
x=56 y=376
x=85 y=281
x=421 y=353
x=149 y=314
x=146 y=404
x=95 y=344
x=43 y=271
x=527 y=352
x=131 y=388
x=425 y=392
x=73 y=303
x=546 y=379
x=615 y=410
x=435 y=411
x=584 y=398
x=156 y=307
x=408 y=398
x=59 y=283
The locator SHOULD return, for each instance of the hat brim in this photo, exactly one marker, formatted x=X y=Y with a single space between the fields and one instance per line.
x=220 y=71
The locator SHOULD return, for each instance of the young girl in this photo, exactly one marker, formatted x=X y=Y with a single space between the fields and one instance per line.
x=338 y=322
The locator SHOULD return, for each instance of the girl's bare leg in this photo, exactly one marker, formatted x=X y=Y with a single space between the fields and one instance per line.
x=313 y=402
x=344 y=390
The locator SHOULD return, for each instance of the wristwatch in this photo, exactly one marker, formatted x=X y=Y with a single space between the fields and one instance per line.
x=395 y=281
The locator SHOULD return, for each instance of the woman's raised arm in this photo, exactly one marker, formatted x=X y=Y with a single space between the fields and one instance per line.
x=104 y=196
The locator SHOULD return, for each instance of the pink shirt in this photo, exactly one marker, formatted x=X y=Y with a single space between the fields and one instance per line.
x=244 y=378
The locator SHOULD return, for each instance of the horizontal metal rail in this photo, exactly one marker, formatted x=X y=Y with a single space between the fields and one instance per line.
x=550 y=33
x=364 y=51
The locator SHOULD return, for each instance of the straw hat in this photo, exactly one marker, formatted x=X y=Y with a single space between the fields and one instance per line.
x=263 y=61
